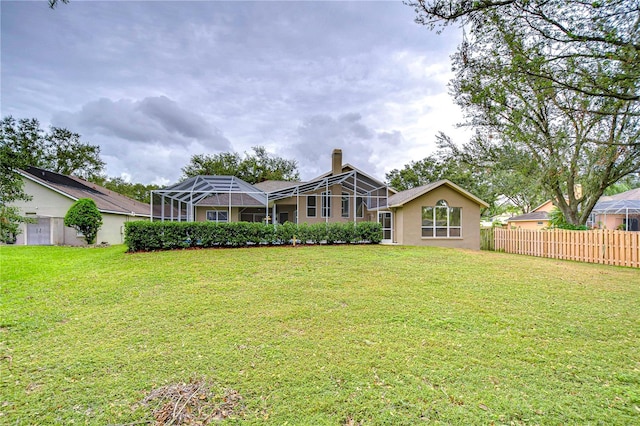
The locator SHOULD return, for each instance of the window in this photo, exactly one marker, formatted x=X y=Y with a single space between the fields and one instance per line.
x=326 y=204
x=359 y=207
x=217 y=215
x=441 y=221
x=345 y=204
x=311 y=206
x=252 y=217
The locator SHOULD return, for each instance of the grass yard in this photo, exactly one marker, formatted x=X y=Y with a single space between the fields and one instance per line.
x=340 y=335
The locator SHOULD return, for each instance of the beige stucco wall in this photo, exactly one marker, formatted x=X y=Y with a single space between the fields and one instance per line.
x=46 y=203
x=201 y=213
x=336 y=207
x=408 y=220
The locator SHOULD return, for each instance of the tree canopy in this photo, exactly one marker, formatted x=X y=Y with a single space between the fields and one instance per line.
x=135 y=191
x=58 y=150
x=489 y=184
x=253 y=168
x=437 y=167
x=555 y=81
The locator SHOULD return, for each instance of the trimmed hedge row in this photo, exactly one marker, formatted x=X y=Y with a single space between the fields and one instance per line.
x=148 y=236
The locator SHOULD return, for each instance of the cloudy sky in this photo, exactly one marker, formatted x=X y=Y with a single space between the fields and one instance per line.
x=154 y=82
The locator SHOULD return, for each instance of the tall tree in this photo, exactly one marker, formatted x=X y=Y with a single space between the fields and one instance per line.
x=58 y=150
x=68 y=155
x=253 y=168
x=556 y=80
x=223 y=164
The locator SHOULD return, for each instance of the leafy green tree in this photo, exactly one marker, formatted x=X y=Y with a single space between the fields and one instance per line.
x=437 y=167
x=510 y=172
x=253 y=168
x=11 y=183
x=84 y=217
x=68 y=155
x=591 y=47
x=625 y=184
x=10 y=219
x=223 y=164
x=58 y=150
x=510 y=177
x=136 y=191
x=557 y=220
x=555 y=80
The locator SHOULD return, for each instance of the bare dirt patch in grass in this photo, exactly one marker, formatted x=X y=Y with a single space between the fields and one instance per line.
x=194 y=402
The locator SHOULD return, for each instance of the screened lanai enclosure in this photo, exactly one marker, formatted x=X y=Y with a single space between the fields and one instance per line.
x=617 y=213
x=351 y=195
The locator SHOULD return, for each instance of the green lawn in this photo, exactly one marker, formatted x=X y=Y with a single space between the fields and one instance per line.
x=336 y=335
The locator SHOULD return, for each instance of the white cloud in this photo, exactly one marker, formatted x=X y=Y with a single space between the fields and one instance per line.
x=154 y=83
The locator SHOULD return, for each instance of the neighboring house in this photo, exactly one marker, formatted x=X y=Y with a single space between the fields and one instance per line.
x=537 y=218
x=52 y=195
x=620 y=211
x=343 y=194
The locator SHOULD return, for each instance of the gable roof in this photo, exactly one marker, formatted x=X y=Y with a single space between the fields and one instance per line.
x=349 y=168
x=75 y=188
x=531 y=216
x=403 y=197
x=633 y=194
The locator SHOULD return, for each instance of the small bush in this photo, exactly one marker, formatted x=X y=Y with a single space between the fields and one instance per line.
x=84 y=216
x=148 y=236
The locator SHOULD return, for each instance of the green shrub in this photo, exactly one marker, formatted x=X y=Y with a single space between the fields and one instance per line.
x=370 y=232
x=557 y=220
x=84 y=217
x=148 y=236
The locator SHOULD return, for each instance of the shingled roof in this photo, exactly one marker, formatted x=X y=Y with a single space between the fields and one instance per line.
x=75 y=188
x=403 y=197
x=530 y=216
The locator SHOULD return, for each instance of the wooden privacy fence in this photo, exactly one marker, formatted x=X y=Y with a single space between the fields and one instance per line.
x=605 y=246
x=487 y=239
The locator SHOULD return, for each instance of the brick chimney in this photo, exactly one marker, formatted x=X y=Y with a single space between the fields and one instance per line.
x=336 y=162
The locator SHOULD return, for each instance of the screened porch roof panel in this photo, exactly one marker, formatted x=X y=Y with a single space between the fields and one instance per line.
x=199 y=187
x=352 y=180
x=617 y=207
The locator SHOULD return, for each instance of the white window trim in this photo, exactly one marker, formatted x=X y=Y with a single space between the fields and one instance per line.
x=315 y=207
x=345 y=199
x=325 y=204
x=217 y=212
x=362 y=204
x=434 y=227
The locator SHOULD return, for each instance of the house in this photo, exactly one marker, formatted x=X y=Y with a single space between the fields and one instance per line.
x=537 y=218
x=52 y=196
x=438 y=214
x=343 y=194
x=620 y=211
